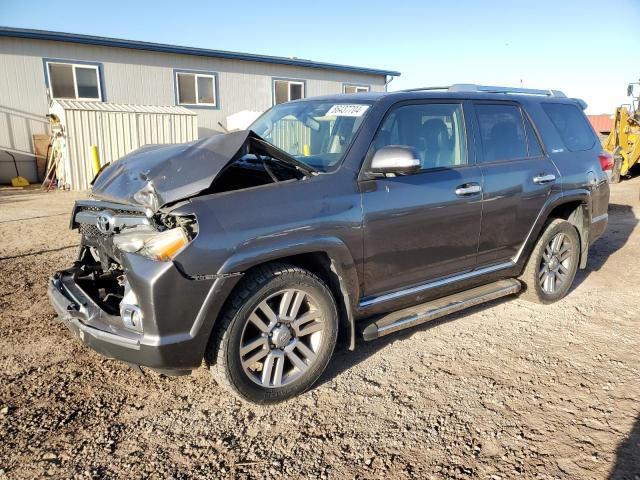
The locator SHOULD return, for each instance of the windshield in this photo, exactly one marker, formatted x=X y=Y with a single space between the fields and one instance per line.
x=317 y=133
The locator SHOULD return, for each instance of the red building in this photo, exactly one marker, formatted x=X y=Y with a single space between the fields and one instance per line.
x=602 y=124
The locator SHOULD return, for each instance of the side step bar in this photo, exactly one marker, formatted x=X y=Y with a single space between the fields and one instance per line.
x=412 y=316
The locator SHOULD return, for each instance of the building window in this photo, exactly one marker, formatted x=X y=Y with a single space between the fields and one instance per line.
x=355 y=88
x=287 y=90
x=196 y=89
x=77 y=81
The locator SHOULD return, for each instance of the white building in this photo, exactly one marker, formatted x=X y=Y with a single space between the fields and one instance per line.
x=36 y=65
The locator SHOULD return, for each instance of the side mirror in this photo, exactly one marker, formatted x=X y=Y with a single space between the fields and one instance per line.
x=395 y=159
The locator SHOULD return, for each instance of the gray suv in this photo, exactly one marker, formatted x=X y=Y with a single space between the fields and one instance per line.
x=333 y=217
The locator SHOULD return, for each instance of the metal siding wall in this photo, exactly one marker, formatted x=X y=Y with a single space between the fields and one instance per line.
x=23 y=106
x=144 y=78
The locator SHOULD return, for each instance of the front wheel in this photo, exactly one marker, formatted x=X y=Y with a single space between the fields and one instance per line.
x=553 y=263
x=276 y=336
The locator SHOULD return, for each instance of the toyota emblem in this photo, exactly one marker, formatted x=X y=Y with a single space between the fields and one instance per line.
x=104 y=222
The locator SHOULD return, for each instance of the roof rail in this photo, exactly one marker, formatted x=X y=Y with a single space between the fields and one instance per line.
x=473 y=88
x=425 y=88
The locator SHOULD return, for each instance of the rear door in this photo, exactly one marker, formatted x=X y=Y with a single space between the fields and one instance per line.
x=518 y=178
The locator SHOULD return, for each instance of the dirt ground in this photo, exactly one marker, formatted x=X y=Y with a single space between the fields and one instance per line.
x=510 y=389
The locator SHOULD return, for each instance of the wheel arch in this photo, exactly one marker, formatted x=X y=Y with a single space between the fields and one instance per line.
x=576 y=212
x=572 y=207
x=328 y=258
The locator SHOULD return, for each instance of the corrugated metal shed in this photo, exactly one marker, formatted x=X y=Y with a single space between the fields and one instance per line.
x=116 y=129
x=121 y=107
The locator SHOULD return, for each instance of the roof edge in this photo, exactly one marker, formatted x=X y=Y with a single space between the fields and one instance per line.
x=83 y=105
x=165 y=48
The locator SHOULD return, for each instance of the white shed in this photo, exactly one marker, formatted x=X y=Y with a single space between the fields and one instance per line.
x=116 y=129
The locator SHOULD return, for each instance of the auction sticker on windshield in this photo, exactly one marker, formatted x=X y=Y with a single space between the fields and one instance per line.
x=345 y=110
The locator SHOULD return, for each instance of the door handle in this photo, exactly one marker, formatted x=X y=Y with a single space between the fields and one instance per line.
x=544 y=178
x=468 y=189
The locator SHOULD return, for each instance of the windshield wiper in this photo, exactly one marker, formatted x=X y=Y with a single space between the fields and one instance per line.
x=267 y=168
x=273 y=152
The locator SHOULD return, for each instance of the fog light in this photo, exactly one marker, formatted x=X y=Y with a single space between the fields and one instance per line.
x=129 y=310
x=132 y=317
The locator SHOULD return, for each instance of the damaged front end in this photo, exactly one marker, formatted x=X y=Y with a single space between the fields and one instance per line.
x=115 y=296
x=110 y=232
x=118 y=297
x=161 y=175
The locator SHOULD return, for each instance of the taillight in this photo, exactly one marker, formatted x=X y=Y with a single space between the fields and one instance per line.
x=606 y=161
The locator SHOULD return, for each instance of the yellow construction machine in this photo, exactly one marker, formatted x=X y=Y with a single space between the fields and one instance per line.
x=623 y=141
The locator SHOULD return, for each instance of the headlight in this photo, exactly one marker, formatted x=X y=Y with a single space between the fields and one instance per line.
x=162 y=246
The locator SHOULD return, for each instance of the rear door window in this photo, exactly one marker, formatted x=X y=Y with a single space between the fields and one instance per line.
x=502 y=132
x=572 y=126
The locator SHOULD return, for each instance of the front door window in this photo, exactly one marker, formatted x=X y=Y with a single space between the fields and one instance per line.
x=434 y=131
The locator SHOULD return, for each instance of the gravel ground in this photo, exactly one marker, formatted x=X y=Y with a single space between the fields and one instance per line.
x=509 y=389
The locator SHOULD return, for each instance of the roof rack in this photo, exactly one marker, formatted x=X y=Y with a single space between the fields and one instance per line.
x=473 y=88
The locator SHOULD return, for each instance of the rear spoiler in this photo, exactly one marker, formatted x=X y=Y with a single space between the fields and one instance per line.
x=583 y=105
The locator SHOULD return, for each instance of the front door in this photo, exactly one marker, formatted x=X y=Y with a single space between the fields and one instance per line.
x=422 y=226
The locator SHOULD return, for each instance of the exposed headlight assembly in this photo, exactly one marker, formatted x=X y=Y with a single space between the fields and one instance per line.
x=161 y=246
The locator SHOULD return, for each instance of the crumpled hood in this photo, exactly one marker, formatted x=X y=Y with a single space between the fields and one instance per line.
x=177 y=172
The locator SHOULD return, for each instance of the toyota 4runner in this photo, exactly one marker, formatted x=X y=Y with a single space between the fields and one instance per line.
x=357 y=215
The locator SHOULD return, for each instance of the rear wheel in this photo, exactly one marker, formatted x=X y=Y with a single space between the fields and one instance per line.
x=276 y=336
x=553 y=263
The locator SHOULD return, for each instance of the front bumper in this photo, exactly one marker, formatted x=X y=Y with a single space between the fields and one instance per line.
x=75 y=311
x=179 y=314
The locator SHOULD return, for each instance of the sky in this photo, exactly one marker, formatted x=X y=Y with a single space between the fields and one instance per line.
x=587 y=48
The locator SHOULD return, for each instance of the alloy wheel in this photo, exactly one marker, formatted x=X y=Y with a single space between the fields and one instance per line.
x=281 y=338
x=555 y=266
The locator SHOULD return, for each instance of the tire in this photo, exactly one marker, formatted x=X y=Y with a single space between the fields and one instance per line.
x=286 y=319
x=547 y=277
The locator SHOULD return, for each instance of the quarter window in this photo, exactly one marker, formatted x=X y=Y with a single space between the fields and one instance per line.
x=74 y=81
x=196 y=89
x=434 y=131
x=571 y=124
x=355 y=88
x=502 y=132
x=288 y=90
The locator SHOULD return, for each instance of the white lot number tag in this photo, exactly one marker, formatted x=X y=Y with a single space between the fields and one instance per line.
x=345 y=110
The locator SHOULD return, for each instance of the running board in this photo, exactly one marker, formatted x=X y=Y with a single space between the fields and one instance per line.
x=425 y=312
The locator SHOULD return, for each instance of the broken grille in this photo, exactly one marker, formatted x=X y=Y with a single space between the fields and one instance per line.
x=116 y=211
x=89 y=230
